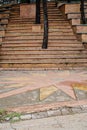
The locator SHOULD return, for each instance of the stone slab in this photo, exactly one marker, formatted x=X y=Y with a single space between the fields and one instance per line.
x=81 y=28
x=2 y=33
x=27 y=10
x=84 y=37
x=4 y=16
x=75 y=15
x=36 y=28
x=70 y=8
x=4 y=21
x=75 y=21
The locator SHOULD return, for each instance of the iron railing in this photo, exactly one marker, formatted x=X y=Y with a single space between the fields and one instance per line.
x=45 y=37
x=37 y=11
x=45 y=15
x=83 y=19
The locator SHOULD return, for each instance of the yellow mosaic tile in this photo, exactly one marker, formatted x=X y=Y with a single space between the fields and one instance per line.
x=80 y=86
x=45 y=92
x=15 y=85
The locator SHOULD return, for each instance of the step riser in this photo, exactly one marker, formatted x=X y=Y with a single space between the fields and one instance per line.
x=39 y=43
x=42 y=52
x=39 y=37
x=24 y=57
x=43 y=66
x=39 y=49
x=50 y=30
x=29 y=27
x=45 y=61
x=36 y=41
x=39 y=34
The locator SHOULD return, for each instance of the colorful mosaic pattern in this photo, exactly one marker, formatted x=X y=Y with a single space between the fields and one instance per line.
x=26 y=89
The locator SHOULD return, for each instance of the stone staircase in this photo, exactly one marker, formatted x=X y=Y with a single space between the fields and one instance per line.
x=21 y=48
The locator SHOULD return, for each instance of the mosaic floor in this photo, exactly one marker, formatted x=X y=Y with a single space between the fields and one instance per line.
x=29 y=91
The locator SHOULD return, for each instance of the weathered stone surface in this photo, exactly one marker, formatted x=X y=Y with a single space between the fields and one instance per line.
x=39 y=115
x=84 y=37
x=65 y=111
x=54 y=112
x=70 y=8
x=27 y=11
x=73 y=15
x=2 y=33
x=75 y=21
x=0 y=38
x=4 y=21
x=36 y=28
x=76 y=110
x=4 y=15
x=81 y=28
x=25 y=117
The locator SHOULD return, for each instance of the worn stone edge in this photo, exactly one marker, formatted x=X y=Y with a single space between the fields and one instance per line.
x=61 y=111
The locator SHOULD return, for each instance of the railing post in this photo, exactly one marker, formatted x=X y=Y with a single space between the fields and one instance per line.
x=83 y=20
x=37 y=11
x=27 y=1
x=45 y=38
x=56 y=2
x=68 y=1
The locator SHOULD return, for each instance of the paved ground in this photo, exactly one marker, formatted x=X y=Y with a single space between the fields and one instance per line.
x=69 y=122
x=34 y=91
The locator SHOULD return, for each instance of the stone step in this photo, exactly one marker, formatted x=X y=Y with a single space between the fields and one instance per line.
x=39 y=37
x=45 y=61
x=39 y=48
x=29 y=26
x=49 y=15
x=44 y=52
x=8 y=34
x=51 y=27
x=50 y=30
x=51 y=66
x=30 y=23
x=75 y=15
x=43 y=66
x=36 y=41
x=21 y=57
x=39 y=44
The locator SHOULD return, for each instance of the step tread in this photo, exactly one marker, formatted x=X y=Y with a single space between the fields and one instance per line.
x=21 y=57
x=40 y=60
